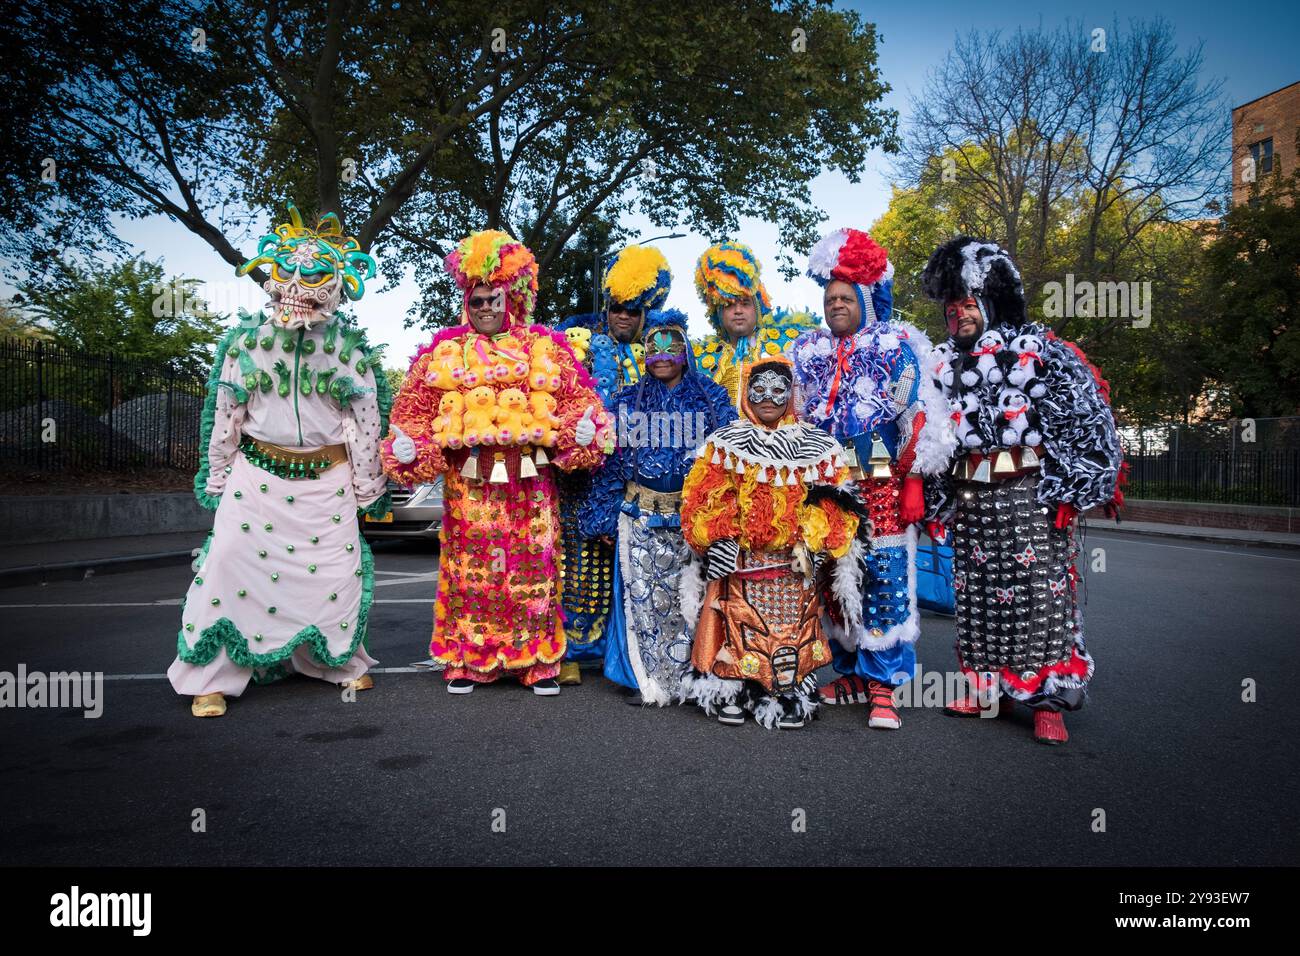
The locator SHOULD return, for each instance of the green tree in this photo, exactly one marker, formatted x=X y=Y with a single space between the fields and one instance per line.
x=1253 y=284
x=15 y=324
x=422 y=121
x=129 y=309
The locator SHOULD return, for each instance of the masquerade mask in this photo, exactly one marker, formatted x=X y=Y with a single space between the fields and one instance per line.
x=664 y=346
x=769 y=387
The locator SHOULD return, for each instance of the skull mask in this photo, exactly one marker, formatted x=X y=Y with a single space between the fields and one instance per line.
x=311 y=270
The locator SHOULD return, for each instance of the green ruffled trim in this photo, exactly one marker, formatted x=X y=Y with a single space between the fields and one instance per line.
x=270 y=675
x=209 y=418
x=384 y=397
x=224 y=633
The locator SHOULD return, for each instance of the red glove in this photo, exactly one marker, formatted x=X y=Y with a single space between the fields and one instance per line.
x=937 y=532
x=911 y=502
x=1065 y=515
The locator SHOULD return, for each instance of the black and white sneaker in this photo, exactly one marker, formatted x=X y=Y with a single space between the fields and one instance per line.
x=461 y=685
x=790 y=722
x=547 y=688
x=731 y=714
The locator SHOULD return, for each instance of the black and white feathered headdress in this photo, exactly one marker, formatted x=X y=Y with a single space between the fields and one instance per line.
x=964 y=267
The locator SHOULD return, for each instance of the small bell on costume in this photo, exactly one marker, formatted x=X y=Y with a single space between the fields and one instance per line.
x=499 y=475
x=1028 y=457
x=526 y=467
x=984 y=472
x=470 y=468
x=540 y=459
x=879 y=460
x=1004 y=464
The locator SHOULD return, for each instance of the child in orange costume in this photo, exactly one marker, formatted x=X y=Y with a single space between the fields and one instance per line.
x=766 y=503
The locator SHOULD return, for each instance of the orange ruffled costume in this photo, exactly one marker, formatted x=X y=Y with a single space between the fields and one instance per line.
x=746 y=505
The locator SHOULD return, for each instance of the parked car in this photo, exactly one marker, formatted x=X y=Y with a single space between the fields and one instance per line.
x=415 y=514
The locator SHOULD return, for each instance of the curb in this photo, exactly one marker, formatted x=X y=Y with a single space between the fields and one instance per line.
x=80 y=570
x=1192 y=534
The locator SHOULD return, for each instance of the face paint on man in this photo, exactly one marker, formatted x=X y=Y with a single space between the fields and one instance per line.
x=965 y=321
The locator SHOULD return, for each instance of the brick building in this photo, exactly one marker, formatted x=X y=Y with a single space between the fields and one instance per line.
x=1264 y=131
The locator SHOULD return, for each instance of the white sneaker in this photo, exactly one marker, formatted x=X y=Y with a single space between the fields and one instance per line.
x=731 y=714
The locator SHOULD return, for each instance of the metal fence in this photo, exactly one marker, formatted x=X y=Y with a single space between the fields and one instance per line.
x=62 y=410
x=1230 y=477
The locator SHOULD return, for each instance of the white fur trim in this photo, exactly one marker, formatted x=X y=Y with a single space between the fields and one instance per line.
x=710 y=691
x=691 y=589
x=767 y=712
x=846 y=585
x=906 y=631
x=938 y=439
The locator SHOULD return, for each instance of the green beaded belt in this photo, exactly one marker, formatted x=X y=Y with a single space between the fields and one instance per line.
x=289 y=462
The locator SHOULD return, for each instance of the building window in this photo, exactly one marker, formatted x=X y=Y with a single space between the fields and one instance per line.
x=1262 y=154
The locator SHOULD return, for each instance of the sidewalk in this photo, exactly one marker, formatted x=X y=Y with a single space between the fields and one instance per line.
x=72 y=560
x=1233 y=536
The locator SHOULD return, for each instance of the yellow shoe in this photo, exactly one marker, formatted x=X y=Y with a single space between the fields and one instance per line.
x=570 y=673
x=209 y=705
x=364 y=682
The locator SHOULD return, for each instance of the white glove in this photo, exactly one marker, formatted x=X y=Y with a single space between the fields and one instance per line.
x=403 y=446
x=585 y=432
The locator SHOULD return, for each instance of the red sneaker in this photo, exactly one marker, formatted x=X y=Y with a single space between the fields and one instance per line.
x=962 y=707
x=851 y=689
x=1049 y=727
x=883 y=716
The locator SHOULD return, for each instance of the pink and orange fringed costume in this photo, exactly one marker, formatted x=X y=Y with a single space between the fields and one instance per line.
x=519 y=397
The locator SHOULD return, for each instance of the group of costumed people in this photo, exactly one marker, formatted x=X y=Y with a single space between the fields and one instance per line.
x=705 y=522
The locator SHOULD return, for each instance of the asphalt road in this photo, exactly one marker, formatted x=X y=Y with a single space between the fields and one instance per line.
x=1184 y=770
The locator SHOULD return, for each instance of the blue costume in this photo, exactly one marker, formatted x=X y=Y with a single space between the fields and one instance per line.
x=637 y=278
x=867 y=389
x=636 y=498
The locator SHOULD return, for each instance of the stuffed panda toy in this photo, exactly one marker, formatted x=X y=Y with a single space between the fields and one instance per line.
x=966 y=415
x=942 y=372
x=984 y=363
x=1018 y=422
x=1026 y=371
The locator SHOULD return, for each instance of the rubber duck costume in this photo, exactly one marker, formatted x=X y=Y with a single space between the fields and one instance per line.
x=495 y=416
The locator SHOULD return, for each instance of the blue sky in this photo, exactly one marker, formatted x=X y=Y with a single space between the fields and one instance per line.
x=1252 y=48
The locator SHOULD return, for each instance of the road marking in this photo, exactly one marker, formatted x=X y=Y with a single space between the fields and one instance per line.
x=414 y=579
x=373 y=670
x=1179 y=547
